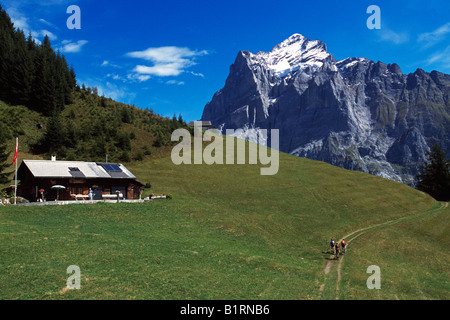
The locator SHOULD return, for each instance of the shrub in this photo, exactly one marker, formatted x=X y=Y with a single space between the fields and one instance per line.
x=147 y=151
x=125 y=156
x=139 y=156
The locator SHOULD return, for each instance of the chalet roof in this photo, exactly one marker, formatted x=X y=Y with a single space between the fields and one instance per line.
x=77 y=169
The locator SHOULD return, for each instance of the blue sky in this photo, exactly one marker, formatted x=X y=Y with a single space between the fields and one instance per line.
x=172 y=56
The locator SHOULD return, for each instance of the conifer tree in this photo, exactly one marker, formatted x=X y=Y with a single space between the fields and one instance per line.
x=6 y=53
x=435 y=176
x=55 y=135
x=30 y=74
x=20 y=79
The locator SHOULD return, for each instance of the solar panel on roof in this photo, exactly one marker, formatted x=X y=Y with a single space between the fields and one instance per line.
x=111 y=167
x=115 y=167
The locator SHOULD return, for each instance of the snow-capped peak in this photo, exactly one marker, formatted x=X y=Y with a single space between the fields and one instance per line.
x=294 y=53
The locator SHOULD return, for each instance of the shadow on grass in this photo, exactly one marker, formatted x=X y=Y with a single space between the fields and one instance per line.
x=330 y=256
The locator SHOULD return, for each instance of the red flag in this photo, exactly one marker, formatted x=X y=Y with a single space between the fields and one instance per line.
x=17 y=151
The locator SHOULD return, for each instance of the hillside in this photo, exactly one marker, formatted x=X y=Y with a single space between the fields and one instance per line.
x=88 y=129
x=229 y=233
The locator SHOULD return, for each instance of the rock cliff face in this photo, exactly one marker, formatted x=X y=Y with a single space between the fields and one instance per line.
x=355 y=113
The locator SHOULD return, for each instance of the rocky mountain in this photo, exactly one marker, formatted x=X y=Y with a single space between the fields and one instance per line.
x=355 y=113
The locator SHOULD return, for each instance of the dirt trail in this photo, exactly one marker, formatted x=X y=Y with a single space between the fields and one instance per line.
x=360 y=232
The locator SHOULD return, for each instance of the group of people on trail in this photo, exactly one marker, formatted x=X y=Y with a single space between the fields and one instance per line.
x=337 y=249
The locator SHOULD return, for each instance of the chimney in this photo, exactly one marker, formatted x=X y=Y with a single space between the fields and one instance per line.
x=53 y=158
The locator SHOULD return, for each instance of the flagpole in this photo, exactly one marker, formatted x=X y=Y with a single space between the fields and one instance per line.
x=15 y=183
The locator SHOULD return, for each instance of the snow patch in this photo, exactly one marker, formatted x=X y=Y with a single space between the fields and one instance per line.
x=293 y=54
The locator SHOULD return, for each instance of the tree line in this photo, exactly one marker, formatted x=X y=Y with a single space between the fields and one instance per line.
x=32 y=74
x=94 y=126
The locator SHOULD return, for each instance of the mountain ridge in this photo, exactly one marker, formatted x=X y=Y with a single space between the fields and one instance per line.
x=354 y=113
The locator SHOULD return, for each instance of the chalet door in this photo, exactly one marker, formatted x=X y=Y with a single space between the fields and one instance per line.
x=130 y=193
x=98 y=193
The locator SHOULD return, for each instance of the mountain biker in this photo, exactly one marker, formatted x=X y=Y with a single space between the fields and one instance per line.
x=332 y=243
x=338 y=250
x=343 y=245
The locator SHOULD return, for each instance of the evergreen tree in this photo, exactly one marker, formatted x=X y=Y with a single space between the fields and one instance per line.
x=159 y=140
x=72 y=78
x=30 y=74
x=123 y=141
x=31 y=48
x=125 y=156
x=20 y=78
x=126 y=115
x=6 y=53
x=68 y=77
x=98 y=149
x=180 y=120
x=435 y=176
x=55 y=135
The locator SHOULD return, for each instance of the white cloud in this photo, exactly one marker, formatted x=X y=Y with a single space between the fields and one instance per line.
x=143 y=78
x=42 y=34
x=50 y=35
x=73 y=47
x=167 y=54
x=197 y=74
x=161 y=70
x=138 y=77
x=48 y=23
x=180 y=83
x=107 y=63
x=167 y=61
x=440 y=59
x=110 y=90
x=18 y=19
x=21 y=22
x=431 y=38
x=388 y=35
x=115 y=76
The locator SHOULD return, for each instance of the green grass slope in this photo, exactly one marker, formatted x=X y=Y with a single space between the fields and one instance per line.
x=228 y=233
x=412 y=256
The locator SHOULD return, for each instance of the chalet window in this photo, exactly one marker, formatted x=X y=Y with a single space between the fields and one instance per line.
x=76 y=172
x=75 y=190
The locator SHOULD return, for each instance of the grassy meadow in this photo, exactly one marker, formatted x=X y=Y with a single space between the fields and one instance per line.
x=231 y=233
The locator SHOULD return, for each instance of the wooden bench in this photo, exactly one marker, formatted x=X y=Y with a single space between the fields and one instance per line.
x=112 y=196
x=82 y=196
